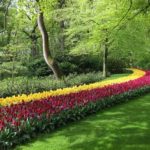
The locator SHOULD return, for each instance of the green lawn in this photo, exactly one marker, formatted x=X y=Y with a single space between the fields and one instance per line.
x=123 y=127
x=115 y=76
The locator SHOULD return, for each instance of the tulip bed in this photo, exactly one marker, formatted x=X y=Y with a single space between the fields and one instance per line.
x=22 y=117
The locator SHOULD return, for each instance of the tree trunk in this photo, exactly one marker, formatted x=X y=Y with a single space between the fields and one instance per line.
x=46 y=51
x=105 y=55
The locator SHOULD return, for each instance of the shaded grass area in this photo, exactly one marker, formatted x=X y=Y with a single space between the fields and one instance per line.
x=123 y=127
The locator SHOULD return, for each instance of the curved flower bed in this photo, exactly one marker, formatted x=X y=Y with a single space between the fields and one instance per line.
x=20 y=121
x=37 y=96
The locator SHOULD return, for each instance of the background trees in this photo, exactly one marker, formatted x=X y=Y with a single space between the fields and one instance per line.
x=83 y=36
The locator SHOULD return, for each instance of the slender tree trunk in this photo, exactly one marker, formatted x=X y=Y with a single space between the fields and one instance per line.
x=46 y=50
x=105 y=55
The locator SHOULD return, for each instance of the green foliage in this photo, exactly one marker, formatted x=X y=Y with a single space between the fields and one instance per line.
x=144 y=62
x=77 y=31
x=79 y=63
x=131 y=43
x=116 y=65
x=68 y=67
x=37 y=67
x=9 y=69
x=20 y=85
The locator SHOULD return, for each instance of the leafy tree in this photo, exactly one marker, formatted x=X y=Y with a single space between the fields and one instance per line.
x=91 y=24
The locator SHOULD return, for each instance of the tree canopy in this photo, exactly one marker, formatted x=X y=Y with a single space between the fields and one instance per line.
x=110 y=29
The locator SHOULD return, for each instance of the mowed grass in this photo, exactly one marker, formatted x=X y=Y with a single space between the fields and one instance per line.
x=122 y=127
x=115 y=76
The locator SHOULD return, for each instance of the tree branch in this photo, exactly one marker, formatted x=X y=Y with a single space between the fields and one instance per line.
x=95 y=22
x=28 y=16
x=125 y=15
x=136 y=14
x=28 y=34
x=140 y=11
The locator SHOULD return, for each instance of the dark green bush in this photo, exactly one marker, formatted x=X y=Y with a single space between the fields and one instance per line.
x=37 y=67
x=75 y=64
x=9 y=69
x=116 y=65
x=68 y=67
x=144 y=62
x=79 y=64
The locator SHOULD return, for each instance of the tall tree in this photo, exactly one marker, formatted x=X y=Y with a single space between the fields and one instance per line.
x=39 y=8
x=88 y=22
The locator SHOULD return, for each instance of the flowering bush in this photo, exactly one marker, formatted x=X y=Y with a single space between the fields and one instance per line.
x=20 y=121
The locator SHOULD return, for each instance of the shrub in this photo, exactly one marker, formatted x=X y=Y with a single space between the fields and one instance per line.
x=79 y=64
x=38 y=67
x=116 y=65
x=74 y=79
x=9 y=69
x=68 y=67
x=143 y=62
x=20 y=85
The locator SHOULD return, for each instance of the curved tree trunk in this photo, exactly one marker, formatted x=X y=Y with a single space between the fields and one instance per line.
x=46 y=50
